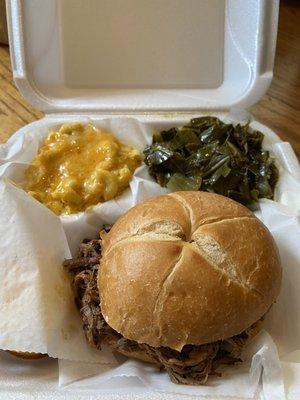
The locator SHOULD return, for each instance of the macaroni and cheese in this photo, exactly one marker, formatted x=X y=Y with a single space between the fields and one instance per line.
x=79 y=166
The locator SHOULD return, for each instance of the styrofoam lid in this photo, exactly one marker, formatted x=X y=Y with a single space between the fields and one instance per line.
x=140 y=56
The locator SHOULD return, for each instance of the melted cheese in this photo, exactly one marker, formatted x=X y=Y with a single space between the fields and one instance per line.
x=79 y=166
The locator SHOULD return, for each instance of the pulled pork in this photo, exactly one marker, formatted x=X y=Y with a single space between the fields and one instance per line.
x=191 y=366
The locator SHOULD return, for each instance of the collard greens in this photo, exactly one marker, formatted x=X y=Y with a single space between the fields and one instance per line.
x=209 y=155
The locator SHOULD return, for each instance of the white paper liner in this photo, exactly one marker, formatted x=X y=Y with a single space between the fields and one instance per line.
x=43 y=309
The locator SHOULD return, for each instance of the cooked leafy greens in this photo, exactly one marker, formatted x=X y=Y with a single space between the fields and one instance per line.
x=208 y=154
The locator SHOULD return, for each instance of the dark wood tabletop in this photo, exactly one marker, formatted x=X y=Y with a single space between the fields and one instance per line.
x=279 y=108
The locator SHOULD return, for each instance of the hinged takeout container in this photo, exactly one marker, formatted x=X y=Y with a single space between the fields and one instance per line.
x=160 y=61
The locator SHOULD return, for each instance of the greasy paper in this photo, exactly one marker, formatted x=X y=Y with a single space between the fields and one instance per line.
x=37 y=309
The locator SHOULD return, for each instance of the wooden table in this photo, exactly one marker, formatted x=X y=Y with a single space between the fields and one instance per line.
x=279 y=108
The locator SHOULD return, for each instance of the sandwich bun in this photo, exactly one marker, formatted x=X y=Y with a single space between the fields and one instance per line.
x=26 y=355
x=187 y=268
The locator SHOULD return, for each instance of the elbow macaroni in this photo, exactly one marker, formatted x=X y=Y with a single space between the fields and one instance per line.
x=79 y=166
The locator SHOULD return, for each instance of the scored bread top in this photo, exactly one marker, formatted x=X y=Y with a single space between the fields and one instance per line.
x=187 y=268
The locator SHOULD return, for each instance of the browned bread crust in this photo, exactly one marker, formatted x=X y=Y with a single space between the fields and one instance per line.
x=187 y=268
x=27 y=355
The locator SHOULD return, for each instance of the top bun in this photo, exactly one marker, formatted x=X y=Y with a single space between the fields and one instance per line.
x=187 y=268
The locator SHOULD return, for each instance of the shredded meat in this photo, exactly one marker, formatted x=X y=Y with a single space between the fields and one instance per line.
x=191 y=366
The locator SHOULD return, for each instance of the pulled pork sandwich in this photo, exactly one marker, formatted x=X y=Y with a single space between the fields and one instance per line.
x=181 y=281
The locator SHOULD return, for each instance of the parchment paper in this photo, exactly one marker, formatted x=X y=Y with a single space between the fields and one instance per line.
x=37 y=312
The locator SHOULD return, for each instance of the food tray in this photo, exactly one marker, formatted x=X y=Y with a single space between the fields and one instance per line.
x=62 y=72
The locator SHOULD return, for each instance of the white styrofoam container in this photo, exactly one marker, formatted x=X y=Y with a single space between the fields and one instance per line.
x=139 y=56
x=158 y=60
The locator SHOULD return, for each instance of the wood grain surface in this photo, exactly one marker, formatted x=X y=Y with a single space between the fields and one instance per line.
x=279 y=108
